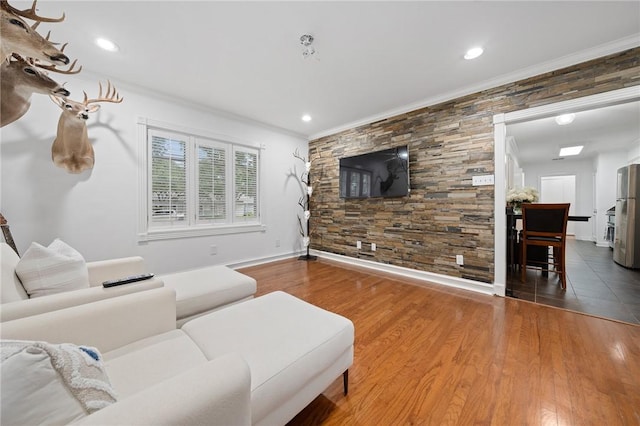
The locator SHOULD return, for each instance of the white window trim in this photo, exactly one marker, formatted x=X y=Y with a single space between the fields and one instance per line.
x=196 y=230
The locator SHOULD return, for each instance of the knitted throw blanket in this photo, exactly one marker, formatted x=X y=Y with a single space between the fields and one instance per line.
x=79 y=367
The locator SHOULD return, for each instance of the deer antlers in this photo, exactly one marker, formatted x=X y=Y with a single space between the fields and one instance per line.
x=29 y=13
x=110 y=96
x=53 y=68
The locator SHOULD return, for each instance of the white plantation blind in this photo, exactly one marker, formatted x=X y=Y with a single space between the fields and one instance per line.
x=168 y=179
x=245 y=184
x=198 y=185
x=212 y=183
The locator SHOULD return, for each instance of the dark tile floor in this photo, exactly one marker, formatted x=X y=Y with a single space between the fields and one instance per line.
x=596 y=285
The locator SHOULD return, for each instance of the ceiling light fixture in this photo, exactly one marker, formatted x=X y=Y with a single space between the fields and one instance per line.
x=570 y=150
x=306 y=118
x=565 y=119
x=307 y=49
x=473 y=53
x=107 y=44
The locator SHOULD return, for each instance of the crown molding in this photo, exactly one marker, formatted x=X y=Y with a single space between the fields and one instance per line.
x=599 y=51
x=141 y=90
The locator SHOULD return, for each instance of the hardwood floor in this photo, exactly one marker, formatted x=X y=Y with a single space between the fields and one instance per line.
x=431 y=355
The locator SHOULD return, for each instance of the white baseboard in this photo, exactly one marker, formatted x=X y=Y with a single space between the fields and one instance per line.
x=262 y=260
x=429 y=277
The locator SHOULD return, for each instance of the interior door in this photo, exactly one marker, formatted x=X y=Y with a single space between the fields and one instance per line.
x=560 y=189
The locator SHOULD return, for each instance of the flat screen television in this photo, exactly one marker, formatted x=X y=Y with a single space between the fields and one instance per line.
x=376 y=174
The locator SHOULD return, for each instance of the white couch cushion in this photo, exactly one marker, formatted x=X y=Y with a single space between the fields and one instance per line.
x=144 y=363
x=111 y=269
x=203 y=289
x=285 y=341
x=52 y=384
x=12 y=289
x=54 y=269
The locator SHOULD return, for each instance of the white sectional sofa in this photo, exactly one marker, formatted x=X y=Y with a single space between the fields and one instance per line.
x=15 y=303
x=198 y=291
x=257 y=362
x=203 y=290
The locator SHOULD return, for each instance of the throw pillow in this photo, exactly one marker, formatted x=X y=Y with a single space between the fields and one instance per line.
x=43 y=383
x=54 y=269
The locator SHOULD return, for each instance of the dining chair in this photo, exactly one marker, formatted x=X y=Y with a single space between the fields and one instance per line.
x=545 y=225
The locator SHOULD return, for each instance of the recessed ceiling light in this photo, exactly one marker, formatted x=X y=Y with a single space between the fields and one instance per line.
x=473 y=53
x=565 y=119
x=570 y=150
x=107 y=44
x=306 y=118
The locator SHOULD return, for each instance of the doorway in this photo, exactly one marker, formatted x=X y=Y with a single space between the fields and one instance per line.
x=614 y=97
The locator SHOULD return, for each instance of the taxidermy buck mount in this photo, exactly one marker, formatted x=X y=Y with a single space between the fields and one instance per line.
x=16 y=36
x=20 y=79
x=72 y=149
x=23 y=53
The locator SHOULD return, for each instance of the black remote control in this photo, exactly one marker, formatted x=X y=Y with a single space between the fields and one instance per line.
x=126 y=280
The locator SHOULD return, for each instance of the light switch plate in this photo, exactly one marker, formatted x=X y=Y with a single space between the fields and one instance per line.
x=482 y=180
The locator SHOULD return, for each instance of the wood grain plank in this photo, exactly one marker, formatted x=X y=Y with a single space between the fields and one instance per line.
x=426 y=354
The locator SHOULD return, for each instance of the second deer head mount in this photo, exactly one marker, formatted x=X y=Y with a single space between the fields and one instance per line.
x=71 y=148
x=20 y=79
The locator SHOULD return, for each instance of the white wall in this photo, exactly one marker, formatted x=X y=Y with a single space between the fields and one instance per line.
x=583 y=170
x=96 y=211
x=633 y=157
x=606 y=167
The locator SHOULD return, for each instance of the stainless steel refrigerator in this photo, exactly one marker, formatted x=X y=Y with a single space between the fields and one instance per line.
x=626 y=246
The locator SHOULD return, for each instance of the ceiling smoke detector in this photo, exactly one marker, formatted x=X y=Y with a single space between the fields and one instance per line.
x=307 y=49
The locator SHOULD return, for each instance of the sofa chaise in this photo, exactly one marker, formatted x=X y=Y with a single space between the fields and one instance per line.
x=257 y=362
x=203 y=290
x=198 y=291
x=15 y=303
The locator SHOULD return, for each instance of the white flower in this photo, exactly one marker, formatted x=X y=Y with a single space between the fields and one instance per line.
x=527 y=194
x=307 y=165
x=307 y=214
x=309 y=190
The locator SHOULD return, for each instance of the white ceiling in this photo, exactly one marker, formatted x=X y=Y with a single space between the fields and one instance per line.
x=374 y=59
x=614 y=128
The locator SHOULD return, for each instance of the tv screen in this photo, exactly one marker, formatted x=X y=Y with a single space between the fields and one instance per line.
x=375 y=174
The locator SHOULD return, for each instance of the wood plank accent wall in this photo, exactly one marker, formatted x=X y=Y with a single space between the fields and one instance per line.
x=448 y=144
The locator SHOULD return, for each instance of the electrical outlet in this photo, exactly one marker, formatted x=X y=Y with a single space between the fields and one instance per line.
x=482 y=180
x=459 y=259
x=373 y=247
x=358 y=245
x=213 y=250
x=277 y=243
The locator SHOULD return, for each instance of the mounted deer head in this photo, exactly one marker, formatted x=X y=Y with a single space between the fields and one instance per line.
x=20 y=79
x=16 y=36
x=72 y=149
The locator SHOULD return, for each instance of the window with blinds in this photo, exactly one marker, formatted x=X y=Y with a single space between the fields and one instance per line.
x=168 y=179
x=212 y=184
x=195 y=184
x=245 y=184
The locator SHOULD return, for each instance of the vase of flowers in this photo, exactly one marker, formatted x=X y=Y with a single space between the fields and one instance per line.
x=517 y=196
